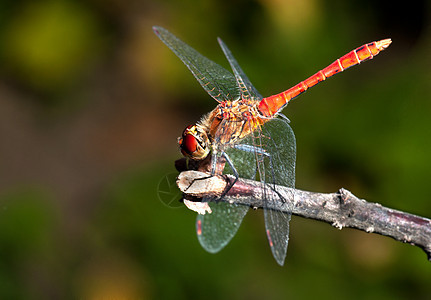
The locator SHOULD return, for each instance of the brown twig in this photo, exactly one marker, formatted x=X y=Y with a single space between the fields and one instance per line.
x=341 y=209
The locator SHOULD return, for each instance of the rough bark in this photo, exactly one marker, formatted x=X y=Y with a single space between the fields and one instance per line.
x=340 y=209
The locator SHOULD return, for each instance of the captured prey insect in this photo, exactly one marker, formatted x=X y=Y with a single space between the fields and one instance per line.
x=247 y=136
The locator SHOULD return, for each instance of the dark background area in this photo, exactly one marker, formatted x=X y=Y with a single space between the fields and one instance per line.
x=92 y=103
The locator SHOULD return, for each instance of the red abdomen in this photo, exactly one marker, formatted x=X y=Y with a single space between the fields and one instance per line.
x=273 y=104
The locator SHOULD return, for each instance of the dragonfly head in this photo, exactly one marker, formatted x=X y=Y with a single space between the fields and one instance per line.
x=194 y=143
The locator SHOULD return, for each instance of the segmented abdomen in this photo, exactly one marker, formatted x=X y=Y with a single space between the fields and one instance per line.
x=271 y=105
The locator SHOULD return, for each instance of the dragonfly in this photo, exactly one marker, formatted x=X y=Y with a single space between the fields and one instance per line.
x=247 y=136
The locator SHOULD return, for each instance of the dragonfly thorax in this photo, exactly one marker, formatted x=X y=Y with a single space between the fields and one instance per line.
x=194 y=142
x=232 y=121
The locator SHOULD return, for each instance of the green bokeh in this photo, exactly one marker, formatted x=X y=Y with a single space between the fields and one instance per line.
x=80 y=215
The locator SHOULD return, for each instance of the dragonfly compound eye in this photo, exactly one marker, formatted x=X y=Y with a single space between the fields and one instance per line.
x=194 y=143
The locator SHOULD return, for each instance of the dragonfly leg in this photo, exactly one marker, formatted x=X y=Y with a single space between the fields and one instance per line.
x=235 y=173
x=265 y=154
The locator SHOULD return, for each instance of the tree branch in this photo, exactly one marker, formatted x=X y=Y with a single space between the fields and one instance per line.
x=341 y=209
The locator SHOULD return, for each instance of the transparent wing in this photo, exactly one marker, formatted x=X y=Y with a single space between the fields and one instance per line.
x=216 y=80
x=215 y=230
x=278 y=140
x=246 y=87
x=271 y=153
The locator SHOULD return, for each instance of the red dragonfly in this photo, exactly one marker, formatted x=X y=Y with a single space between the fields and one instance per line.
x=249 y=133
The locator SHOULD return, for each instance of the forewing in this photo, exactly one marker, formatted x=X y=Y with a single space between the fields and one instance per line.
x=278 y=140
x=247 y=89
x=216 y=80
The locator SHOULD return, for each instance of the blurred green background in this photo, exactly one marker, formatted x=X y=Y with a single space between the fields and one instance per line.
x=91 y=104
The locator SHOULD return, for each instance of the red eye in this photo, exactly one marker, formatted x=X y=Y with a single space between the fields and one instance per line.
x=194 y=143
x=189 y=144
